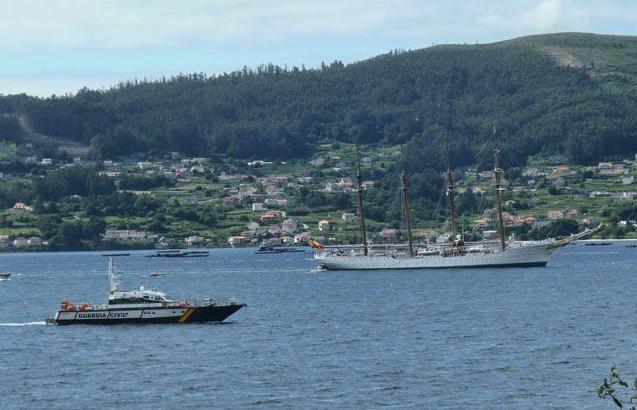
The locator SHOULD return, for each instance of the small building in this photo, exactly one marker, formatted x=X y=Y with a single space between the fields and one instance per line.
x=236 y=241
x=46 y=161
x=194 y=240
x=278 y=214
x=257 y=206
x=345 y=184
x=572 y=213
x=231 y=201
x=5 y=242
x=301 y=237
x=21 y=207
x=259 y=163
x=268 y=218
x=529 y=220
x=600 y=194
x=124 y=235
x=389 y=233
x=289 y=226
x=628 y=180
x=325 y=225
x=318 y=162
x=276 y=202
x=197 y=169
x=555 y=214
x=253 y=226
x=20 y=242
x=348 y=217
x=34 y=241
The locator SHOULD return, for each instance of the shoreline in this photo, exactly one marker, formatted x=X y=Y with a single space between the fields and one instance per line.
x=124 y=249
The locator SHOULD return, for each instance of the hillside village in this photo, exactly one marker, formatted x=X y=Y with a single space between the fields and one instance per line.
x=288 y=203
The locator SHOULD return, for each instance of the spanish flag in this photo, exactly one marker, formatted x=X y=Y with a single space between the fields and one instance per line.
x=314 y=244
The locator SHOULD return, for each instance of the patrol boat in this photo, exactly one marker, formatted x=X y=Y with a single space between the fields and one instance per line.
x=141 y=306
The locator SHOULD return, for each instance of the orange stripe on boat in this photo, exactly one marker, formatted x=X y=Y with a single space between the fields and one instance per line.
x=184 y=318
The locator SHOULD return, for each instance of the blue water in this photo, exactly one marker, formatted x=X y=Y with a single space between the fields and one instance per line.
x=504 y=338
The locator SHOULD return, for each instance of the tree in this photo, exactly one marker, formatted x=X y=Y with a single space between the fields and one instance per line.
x=609 y=389
x=93 y=229
x=48 y=225
x=68 y=235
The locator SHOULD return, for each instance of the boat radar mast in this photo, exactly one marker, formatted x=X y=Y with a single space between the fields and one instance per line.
x=112 y=275
x=406 y=213
x=497 y=174
x=361 y=209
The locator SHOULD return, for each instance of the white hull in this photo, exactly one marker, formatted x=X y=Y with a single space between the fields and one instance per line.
x=531 y=255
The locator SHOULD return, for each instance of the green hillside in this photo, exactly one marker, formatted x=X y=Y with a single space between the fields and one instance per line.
x=562 y=94
x=611 y=60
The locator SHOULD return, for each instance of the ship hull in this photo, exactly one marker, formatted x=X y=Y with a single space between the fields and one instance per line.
x=527 y=256
x=195 y=314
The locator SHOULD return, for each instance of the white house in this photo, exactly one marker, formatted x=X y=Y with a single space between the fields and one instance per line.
x=235 y=241
x=21 y=207
x=348 y=217
x=194 y=240
x=124 y=235
x=20 y=242
x=325 y=225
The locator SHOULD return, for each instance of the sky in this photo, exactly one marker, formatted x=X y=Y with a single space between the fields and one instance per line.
x=59 y=46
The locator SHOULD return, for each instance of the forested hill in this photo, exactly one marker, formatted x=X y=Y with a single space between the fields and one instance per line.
x=566 y=93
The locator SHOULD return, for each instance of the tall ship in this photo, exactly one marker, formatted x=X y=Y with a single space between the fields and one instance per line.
x=456 y=254
x=141 y=306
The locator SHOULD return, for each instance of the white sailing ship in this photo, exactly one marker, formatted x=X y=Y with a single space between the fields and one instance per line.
x=453 y=255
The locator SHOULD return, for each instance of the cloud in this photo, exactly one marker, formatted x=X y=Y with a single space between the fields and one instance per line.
x=96 y=41
x=546 y=15
x=115 y=24
x=138 y=24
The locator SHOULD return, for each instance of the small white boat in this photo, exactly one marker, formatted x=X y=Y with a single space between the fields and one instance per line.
x=155 y=274
x=4 y=276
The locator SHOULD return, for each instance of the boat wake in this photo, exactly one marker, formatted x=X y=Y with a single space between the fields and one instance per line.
x=24 y=324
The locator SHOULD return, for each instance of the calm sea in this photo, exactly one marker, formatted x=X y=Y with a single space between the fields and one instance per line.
x=482 y=338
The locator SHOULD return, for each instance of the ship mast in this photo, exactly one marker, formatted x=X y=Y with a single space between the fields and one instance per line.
x=405 y=187
x=497 y=173
x=452 y=208
x=361 y=209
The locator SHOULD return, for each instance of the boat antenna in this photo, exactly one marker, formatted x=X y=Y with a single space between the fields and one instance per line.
x=406 y=212
x=497 y=174
x=361 y=209
x=112 y=274
x=450 y=191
